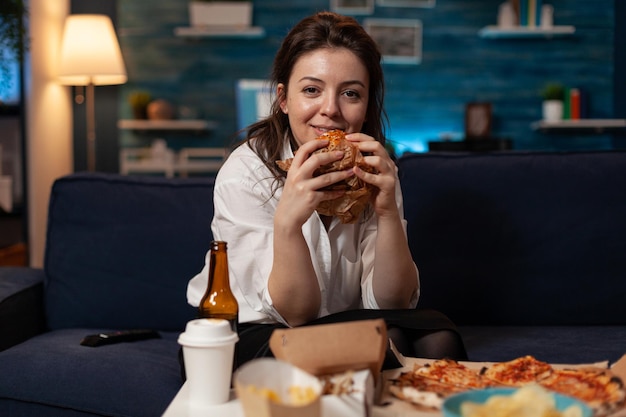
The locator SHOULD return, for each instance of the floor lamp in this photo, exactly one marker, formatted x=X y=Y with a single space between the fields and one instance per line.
x=90 y=56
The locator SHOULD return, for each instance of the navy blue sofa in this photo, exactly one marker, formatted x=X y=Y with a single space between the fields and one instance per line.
x=526 y=252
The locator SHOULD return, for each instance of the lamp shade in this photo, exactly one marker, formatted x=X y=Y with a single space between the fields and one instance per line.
x=90 y=52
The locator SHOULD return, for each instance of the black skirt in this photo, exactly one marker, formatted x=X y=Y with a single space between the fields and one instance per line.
x=254 y=338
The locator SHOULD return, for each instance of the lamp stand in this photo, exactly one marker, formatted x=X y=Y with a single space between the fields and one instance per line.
x=91 y=127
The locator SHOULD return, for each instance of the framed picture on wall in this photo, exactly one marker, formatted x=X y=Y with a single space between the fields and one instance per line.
x=477 y=121
x=399 y=40
x=352 y=6
x=406 y=3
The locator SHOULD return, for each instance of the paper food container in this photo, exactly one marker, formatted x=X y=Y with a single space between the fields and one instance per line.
x=332 y=348
x=268 y=387
x=332 y=351
x=357 y=402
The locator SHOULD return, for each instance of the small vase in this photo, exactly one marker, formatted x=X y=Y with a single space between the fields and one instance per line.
x=160 y=110
x=552 y=110
x=140 y=113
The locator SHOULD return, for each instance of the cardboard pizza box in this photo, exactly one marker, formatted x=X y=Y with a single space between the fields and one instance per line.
x=332 y=348
x=396 y=407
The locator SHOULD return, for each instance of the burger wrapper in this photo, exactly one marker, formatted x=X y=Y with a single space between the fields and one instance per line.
x=348 y=207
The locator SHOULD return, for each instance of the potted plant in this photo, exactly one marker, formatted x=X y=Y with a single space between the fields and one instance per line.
x=139 y=101
x=13 y=40
x=553 y=96
x=220 y=13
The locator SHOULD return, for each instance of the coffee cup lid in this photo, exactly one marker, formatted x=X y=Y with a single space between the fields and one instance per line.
x=207 y=333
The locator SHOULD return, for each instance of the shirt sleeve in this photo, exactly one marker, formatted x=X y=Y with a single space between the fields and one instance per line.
x=244 y=218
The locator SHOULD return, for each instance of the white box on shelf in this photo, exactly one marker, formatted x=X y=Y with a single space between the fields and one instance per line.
x=220 y=13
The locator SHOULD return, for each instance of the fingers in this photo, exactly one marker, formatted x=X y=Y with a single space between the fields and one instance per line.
x=302 y=189
x=305 y=161
x=328 y=180
x=305 y=151
x=375 y=154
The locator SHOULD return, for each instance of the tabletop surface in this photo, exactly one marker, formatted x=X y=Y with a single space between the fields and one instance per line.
x=181 y=407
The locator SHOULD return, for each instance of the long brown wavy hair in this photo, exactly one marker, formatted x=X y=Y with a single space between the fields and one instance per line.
x=322 y=30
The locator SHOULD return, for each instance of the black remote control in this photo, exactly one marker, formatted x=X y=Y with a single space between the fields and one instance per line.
x=101 y=339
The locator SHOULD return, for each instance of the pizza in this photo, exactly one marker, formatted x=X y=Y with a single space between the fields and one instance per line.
x=422 y=391
x=518 y=372
x=429 y=384
x=453 y=373
x=599 y=388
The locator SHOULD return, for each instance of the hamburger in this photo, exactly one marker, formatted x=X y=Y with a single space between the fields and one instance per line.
x=353 y=202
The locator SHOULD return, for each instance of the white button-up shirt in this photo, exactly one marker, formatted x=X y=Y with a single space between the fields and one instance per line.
x=343 y=256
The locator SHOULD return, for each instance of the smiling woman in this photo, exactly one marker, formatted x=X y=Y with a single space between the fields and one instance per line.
x=292 y=263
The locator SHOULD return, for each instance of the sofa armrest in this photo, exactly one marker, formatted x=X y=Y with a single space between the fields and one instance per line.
x=21 y=304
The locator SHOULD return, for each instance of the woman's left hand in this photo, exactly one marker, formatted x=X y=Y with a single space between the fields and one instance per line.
x=384 y=198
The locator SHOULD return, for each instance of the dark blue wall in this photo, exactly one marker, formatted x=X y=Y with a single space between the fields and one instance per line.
x=423 y=101
x=620 y=70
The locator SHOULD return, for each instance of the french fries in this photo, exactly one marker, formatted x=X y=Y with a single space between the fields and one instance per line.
x=298 y=395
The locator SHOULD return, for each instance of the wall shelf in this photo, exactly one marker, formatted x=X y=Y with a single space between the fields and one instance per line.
x=598 y=125
x=187 y=161
x=496 y=32
x=171 y=125
x=219 y=32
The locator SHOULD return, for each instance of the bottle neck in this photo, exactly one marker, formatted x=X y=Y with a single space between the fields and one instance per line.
x=218 y=272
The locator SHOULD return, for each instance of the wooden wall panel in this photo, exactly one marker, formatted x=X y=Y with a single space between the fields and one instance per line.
x=423 y=101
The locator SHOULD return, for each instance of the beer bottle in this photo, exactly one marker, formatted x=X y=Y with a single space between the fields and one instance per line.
x=218 y=301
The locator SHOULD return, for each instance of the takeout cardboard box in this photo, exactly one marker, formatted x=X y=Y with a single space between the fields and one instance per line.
x=330 y=349
x=397 y=407
x=358 y=403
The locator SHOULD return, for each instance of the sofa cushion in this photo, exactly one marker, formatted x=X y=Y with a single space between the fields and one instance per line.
x=553 y=344
x=21 y=304
x=54 y=374
x=120 y=250
x=519 y=238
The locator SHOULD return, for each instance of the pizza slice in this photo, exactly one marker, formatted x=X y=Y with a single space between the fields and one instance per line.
x=452 y=372
x=518 y=372
x=599 y=388
x=422 y=391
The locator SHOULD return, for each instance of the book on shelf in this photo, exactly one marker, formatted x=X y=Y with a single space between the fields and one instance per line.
x=523 y=12
x=584 y=104
x=575 y=104
x=529 y=12
x=516 y=9
x=532 y=13
x=566 y=104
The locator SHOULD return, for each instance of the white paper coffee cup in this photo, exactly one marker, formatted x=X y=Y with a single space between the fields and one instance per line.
x=208 y=350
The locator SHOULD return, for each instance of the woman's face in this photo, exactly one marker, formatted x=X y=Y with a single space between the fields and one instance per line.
x=328 y=89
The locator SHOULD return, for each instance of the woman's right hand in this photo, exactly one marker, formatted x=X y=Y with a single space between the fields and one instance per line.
x=301 y=192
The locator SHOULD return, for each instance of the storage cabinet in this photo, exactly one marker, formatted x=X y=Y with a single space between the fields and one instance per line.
x=159 y=159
